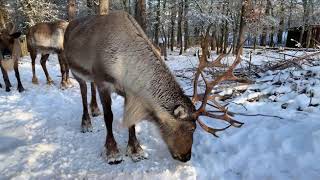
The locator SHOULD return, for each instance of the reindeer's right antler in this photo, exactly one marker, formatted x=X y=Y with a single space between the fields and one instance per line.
x=227 y=75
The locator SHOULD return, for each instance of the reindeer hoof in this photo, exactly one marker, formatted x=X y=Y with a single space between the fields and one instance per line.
x=95 y=112
x=86 y=128
x=63 y=85
x=20 y=89
x=136 y=153
x=35 y=80
x=50 y=82
x=114 y=158
x=7 y=89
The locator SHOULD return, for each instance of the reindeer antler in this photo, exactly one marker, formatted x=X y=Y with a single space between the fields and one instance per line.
x=227 y=75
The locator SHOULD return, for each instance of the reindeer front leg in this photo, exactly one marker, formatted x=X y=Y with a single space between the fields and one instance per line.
x=112 y=151
x=5 y=78
x=134 y=150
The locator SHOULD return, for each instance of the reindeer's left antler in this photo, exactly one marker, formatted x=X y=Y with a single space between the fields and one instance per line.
x=226 y=76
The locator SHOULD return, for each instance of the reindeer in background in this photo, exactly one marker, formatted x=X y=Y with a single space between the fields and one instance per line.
x=10 y=52
x=46 y=38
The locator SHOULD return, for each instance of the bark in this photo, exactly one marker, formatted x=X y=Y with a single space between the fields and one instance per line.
x=309 y=28
x=140 y=13
x=186 y=25
x=2 y=18
x=103 y=7
x=213 y=42
x=290 y=14
x=179 y=32
x=241 y=27
x=71 y=9
x=263 y=40
x=157 y=25
x=281 y=23
x=235 y=34
x=173 y=23
x=226 y=35
x=305 y=19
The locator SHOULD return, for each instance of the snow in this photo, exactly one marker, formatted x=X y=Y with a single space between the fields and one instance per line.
x=40 y=134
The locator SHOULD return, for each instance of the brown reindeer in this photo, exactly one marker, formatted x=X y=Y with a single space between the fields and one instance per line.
x=114 y=52
x=46 y=38
x=10 y=54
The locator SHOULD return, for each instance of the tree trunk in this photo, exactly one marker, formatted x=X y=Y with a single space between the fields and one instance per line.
x=281 y=24
x=173 y=23
x=2 y=17
x=235 y=34
x=309 y=29
x=305 y=20
x=157 y=25
x=89 y=7
x=263 y=40
x=290 y=14
x=71 y=9
x=241 y=27
x=186 y=25
x=271 y=44
x=103 y=7
x=213 y=42
x=179 y=33
x=226 y=36
x=140 y=13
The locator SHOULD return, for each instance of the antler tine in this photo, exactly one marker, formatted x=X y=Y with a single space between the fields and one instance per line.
x=211 y=130
x=224 y=117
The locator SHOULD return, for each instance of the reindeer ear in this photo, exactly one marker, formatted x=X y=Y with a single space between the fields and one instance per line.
x=180 y=112
x=16 y=35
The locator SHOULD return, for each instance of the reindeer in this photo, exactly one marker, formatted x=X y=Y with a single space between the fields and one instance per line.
x=46 y=38
x=114 y=52
x=10 y=54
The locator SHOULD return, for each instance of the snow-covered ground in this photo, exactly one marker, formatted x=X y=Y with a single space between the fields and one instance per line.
x=40 y=134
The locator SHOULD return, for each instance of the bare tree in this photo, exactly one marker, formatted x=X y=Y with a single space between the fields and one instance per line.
x=179 y=32
x=140 y=13
x=186 y=25
x=71 y=9
x=172 y=28
x=281 y=23
x=157 y=25
x=241 y=26
x=103 y=7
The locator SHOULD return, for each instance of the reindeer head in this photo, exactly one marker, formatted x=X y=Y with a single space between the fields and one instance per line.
x=7 y=40
x=177 y=129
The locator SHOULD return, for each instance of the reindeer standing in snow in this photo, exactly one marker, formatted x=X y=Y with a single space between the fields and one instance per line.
x=114 y=52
